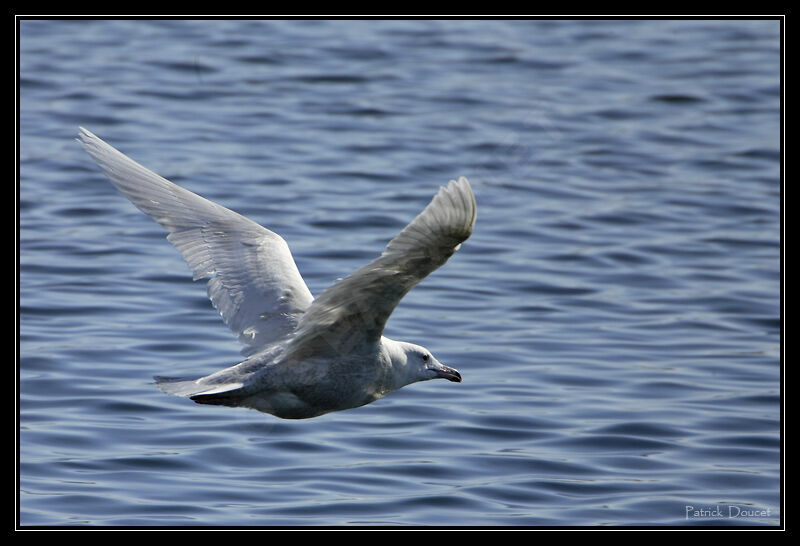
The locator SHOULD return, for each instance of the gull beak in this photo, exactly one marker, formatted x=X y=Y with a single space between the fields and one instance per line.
x=446 y=372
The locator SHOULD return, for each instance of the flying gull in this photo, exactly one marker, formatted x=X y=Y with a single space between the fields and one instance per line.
x=304 y=356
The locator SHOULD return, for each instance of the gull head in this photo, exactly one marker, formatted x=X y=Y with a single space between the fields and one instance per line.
x=418 y=364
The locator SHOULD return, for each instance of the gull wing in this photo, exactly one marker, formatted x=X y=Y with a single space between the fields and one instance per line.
x=353 y=312
x=253 y=280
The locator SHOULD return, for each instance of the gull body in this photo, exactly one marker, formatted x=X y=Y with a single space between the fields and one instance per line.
x=304 y=357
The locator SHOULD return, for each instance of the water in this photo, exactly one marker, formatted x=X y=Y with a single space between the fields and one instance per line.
x=615 y=316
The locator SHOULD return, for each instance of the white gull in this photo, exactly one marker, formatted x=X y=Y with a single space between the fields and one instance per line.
x=305 y=356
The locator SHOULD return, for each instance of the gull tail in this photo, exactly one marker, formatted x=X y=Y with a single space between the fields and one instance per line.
x=198 y=390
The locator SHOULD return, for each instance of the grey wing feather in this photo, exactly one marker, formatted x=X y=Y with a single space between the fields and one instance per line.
x=354 y=310
x=253 y=280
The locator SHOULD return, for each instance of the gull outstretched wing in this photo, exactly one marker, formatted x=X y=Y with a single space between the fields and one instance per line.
x=354 y=311
x=252 y=278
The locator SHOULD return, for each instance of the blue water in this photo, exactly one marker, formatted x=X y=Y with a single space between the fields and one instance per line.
x=615 y=315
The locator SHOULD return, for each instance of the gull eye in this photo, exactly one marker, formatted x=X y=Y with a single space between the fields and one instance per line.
x=425 y=358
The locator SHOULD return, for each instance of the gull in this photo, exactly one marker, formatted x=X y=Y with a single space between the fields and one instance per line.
x=304 y=356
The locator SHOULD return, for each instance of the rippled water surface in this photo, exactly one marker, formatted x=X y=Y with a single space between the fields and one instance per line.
x=615 y=315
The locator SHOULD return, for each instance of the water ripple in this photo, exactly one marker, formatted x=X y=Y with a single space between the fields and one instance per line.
x=616 y=315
